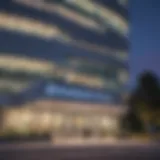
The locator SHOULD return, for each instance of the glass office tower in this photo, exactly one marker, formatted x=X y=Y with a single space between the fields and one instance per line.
x=86 y=42
x=66 y=50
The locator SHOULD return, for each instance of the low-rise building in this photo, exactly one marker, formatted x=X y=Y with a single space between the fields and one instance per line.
x=64 y=119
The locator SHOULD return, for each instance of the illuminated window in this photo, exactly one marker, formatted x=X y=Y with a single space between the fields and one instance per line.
x=57 y=120
x=28 y=26
x=80 y=122
x=37 y=28
x=123 y=2
x=18 y=120
x=25 y=64
x=109 y=123
x=121 y=55
x=76 y=17
x=45 y=120
x=85 y=80
x=86 y=73
x=88 y=6
x=12 y=119
x=15 y=86
x=109 y=17
x=123 y=76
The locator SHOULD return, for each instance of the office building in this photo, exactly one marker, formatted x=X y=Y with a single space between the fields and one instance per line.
x=63 y=57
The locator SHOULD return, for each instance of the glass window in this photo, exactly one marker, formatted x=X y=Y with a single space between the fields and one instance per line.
x=15 y=81
x=27 y=26
x=86 y=73
x=94 y=68
x=108 y=16
x=123 y=2
x=83 y=79
x=123 y=76
x=69 y=70
x=18 y=121
x=57 y=120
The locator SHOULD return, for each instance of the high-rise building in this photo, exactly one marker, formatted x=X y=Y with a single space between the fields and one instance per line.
x=74 y=50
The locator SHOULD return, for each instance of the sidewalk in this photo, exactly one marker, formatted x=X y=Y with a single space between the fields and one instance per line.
x=62 y=144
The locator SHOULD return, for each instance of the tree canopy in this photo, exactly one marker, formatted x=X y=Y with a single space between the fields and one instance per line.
x=144 y=102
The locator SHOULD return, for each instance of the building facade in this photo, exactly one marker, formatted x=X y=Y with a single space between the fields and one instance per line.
x=73 y=51
x=64 y=121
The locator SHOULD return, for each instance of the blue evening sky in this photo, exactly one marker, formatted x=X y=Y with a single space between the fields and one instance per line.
x=144 y=36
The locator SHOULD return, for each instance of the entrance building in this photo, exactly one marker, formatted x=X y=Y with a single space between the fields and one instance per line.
x=63 y=120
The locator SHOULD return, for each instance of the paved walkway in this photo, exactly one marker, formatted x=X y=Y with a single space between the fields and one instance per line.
x=62 y=144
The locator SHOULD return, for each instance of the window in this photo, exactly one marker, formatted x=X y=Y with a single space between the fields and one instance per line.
x=122 y=55
x=87 y=73
x=84 y=79
x=29 y=65
x=28 y=26
x=18 y=120
x=104 y=13
x=93 y=67
x=123 y=76
x=57 y=121
x=123 y=2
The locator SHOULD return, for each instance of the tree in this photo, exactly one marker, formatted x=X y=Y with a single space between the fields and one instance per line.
x=145 y=100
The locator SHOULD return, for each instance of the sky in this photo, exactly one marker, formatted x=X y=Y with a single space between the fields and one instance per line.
x=144 y=37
